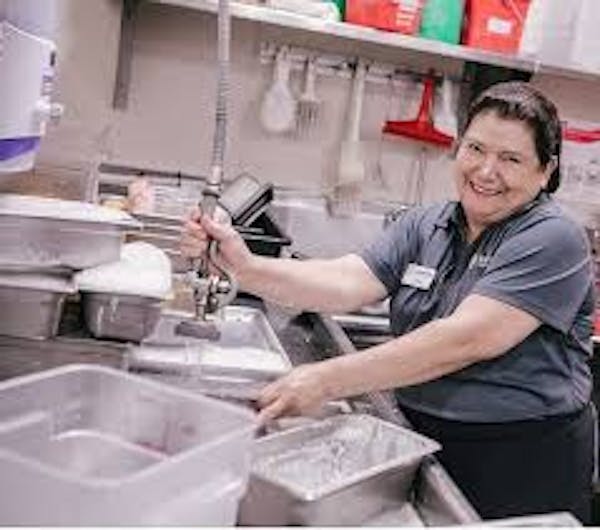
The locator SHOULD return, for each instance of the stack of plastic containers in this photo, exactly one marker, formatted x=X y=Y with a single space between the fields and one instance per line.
x=86 y=445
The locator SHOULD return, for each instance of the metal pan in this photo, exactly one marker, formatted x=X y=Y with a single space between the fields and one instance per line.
x=32 y=303
x=41 y=231
x=120 y=316
x=340 y=471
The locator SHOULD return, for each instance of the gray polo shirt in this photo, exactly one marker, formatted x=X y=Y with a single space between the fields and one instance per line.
x=537 y=260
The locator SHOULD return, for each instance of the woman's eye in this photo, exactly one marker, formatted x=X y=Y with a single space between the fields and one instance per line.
x=511 y=159
x=475 y=147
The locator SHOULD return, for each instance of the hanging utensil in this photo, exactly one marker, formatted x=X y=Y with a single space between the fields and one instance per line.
x=444 y=117
x=278 y=110
x=308 y=103
x=421 y=128
x=351 y=164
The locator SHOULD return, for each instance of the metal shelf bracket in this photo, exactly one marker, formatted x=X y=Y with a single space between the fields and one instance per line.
x=123 y=74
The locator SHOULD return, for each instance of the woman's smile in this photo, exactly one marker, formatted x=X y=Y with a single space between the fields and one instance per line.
x=485 y=191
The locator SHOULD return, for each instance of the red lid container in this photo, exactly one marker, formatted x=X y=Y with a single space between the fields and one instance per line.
x=403 y=16
x=495 y=25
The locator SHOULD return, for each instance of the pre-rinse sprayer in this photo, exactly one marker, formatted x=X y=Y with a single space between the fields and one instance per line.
x=213 y=286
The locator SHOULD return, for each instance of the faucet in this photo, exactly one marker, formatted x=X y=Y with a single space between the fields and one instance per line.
x=213 y=290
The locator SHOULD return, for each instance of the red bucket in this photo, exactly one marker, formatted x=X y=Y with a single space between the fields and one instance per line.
x=495 y=25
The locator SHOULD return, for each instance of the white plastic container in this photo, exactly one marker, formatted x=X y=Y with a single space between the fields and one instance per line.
x=549 y=31
x=88 y=445
x=586 y=41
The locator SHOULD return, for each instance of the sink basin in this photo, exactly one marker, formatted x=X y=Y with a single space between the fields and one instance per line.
x=317 y=233
x=246 y=355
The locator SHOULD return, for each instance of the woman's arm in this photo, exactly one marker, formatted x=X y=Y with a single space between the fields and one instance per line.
x=327 y=285
x=473 y=333
x=341 y=284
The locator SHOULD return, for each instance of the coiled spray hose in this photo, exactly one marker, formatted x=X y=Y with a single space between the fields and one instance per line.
x=215 y=178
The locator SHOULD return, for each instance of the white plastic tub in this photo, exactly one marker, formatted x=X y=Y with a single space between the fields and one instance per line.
x=87 y=445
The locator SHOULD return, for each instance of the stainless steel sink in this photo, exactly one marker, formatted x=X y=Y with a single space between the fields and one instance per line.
x=315 y=232
x=246 y=356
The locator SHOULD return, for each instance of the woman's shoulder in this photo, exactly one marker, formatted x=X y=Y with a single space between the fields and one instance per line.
x=552 y=221
x=421 y=220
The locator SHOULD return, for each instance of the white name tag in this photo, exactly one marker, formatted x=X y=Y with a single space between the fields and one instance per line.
x=418 y=276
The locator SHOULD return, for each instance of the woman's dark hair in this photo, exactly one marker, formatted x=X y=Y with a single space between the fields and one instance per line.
x=517 y=100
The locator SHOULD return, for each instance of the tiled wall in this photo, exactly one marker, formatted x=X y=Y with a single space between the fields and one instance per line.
x=169 y=121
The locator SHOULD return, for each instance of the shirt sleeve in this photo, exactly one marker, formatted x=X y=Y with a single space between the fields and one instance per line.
x=544 y=269
x=389 y=254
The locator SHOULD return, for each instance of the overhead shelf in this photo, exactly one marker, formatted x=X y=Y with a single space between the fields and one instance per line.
x=353 y=32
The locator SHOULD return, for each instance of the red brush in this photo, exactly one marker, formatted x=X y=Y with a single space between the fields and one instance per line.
x=422 y=127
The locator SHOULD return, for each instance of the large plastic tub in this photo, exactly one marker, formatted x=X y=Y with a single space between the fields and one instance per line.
x=87 y=445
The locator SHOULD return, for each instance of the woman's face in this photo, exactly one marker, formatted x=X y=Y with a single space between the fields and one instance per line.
x=497 y=169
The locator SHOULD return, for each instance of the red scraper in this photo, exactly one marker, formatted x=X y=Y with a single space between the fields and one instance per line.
x=422 y=127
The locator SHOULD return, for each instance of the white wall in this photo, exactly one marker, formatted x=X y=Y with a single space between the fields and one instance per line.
x=169 y=121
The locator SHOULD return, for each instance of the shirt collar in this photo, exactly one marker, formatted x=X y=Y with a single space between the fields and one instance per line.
x=451 y=216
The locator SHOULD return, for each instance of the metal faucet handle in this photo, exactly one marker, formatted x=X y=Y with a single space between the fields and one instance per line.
x=211 y=292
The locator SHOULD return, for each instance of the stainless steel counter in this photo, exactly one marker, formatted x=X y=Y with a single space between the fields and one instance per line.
x=25 y=356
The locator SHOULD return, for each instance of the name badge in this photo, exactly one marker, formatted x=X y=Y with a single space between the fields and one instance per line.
x=418 y=276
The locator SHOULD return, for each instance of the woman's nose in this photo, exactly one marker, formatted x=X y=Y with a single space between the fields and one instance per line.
x=488 y=165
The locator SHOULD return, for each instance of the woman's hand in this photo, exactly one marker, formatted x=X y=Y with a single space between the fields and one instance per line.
x=301 y=392
x=232 y=253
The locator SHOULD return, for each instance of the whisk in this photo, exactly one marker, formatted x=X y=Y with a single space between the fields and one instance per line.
x=307 y=109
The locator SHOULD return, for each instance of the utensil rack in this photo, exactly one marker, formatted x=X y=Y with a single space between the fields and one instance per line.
x=341 y=66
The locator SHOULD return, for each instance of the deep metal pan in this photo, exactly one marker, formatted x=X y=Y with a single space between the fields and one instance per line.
x=41 y=231
x=339 y=471
x=32 y=303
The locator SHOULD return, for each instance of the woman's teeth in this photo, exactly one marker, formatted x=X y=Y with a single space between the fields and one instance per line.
x=484 y=191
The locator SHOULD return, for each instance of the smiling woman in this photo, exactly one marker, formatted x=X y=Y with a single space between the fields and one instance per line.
x=508 y=153
x=491 y=302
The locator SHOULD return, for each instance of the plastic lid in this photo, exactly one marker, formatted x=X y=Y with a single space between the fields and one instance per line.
x=142 y=270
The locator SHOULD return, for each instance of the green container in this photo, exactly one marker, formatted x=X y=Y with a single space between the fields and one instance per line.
x=442 y=20
x=341 y=5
